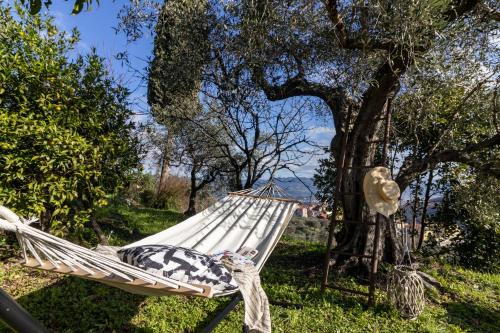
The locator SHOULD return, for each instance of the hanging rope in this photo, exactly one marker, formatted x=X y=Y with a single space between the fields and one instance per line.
x=405 y=287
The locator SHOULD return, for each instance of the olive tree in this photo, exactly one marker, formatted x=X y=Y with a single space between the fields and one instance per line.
x=357 y=55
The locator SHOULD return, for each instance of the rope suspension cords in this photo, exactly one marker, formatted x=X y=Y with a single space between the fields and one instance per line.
x=405 y=288
x=254 y=218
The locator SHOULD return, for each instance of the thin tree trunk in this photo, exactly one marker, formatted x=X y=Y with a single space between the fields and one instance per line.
x=165 y=164
x=415 y=208
x=45 y=218
x=98 y=231
x=191 y=210
x=423 y=222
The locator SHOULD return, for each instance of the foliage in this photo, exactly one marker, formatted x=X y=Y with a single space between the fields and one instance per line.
x=65 y=135
x=355 y=55
x=449 y=114
x=67 y=304
x=309 y=229
x=36 y=5
x=174 y=195
x=324 y=178
x=468 y=216
x=180 y=52
x=141 y=189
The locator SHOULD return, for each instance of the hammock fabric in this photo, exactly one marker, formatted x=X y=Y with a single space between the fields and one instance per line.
x=248 y=218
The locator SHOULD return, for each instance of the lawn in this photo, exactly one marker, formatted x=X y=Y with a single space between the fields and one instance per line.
x=470 y=301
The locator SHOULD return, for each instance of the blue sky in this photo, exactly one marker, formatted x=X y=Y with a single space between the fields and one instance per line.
x=96 y=30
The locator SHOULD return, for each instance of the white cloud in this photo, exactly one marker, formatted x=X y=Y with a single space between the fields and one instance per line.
x=321 y=130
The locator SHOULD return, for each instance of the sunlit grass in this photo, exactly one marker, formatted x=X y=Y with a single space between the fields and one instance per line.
x=471 y=302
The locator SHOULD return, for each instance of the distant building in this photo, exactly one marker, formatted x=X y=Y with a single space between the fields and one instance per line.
x=302 y=211
x=315 y=210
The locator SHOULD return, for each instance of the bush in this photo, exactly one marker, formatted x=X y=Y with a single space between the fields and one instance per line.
x=141 y=189
x=468 y=219
x=175 y=195
x=65 y=136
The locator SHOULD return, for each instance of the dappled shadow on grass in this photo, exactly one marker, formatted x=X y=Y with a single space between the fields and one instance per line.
x=294 y=272
x=223 y=302
x=473 y=317
x=76 y=305
x=130 y=224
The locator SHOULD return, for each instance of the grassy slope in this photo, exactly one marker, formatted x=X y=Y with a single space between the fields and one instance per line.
x=66 y=304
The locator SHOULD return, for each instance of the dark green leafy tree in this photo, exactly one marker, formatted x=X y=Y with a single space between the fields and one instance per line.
x=180 y=52
x=65 y=136
x=466 y=224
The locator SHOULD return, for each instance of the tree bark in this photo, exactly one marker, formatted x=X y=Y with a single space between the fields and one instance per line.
x=191 y=210
x=361 y=156
x=360 y=238
x=415 y=208
x=427 y=196
x=98 y=231
x=165 y=164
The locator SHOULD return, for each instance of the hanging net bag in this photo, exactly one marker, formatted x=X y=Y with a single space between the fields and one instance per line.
x=405 y=287
x=406 y=291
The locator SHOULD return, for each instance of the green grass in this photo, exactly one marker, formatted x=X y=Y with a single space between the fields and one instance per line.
x=471 y=302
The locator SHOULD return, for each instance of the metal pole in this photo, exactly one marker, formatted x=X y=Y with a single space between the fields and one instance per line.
x=221 y=315
x=12 y=314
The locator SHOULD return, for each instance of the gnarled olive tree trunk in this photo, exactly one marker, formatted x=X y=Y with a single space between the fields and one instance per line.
x=363 y=133
x=359 y=238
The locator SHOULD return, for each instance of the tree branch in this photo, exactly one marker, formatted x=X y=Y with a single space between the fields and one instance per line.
x=412 y=167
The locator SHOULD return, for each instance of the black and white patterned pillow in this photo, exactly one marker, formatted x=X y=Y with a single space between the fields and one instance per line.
x=181 y=264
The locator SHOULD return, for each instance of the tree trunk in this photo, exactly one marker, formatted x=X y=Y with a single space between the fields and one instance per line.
x=45 y=218
x=165 y=164
x=427 y=196
x=236 y=181
x=360 y=238
x=361 y=155
x=98 y=231
x=191 y=210
x=415 y=208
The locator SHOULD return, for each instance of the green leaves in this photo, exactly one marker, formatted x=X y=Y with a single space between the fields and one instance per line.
x=64 y=138
x=36 y=5
x=77 y=8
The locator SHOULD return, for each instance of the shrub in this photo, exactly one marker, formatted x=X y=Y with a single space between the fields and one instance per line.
x=141 y=189
x=65 y=135
x=175 y=196
x=469 y=220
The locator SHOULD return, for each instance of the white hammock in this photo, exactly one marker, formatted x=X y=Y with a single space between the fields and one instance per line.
x=249 y=218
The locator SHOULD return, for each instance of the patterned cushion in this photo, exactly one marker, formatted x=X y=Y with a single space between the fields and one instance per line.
x=181 y=264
